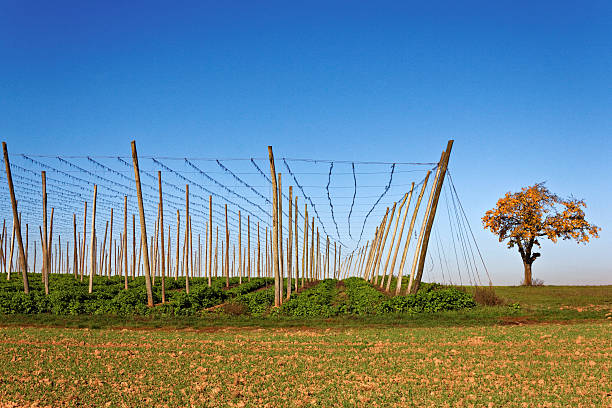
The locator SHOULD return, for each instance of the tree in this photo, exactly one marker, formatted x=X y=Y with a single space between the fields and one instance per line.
x=533 y=213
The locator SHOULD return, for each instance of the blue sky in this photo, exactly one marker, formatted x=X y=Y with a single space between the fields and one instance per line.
x=524 y=89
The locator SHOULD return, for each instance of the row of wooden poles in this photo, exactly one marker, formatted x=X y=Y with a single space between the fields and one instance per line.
x=155 y=255
x=370 y=256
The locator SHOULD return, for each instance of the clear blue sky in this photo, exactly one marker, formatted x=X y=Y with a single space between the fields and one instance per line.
x=524 y=88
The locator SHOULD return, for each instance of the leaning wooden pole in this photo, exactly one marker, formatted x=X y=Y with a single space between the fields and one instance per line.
x=277 y=283
x=143 y=227
x=399 y=238
x=9 y=177
x=431 y=217
x=398 y=286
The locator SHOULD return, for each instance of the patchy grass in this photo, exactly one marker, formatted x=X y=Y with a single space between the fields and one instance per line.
x=549 y=365
x=554 y=350
x=557 y=297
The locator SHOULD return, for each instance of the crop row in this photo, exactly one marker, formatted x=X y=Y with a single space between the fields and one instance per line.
x=70 y=296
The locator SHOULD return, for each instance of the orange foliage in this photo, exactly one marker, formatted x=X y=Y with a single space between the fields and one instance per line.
x=534 y=212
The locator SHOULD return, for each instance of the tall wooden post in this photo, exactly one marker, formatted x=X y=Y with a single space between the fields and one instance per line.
x=134 y=247
x=398 y=287
x=297 y=270
x=275 y=235
x=75 y=262
x=161 y=228
x=382 y=249
x=103 y=252
x=280 y=238
x=143 y=228
x=45 y=238
x=258 y=252
x=187 y=236
x=305 y=245
x=16 y=220
x=431 y=214
x=249 y=246
x=210 y=226
x=82 y=269
x=92 y=248
x=226 y=250
x=399 y=212
x=110 y=245
x=178 y=243
x=399 y=239
x=289 y=244
x=240 y=247
x=125 y=245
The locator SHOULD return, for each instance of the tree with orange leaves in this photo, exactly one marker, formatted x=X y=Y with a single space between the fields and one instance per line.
x=524 y=217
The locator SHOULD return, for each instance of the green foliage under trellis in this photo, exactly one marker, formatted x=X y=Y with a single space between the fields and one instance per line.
x=328 y=298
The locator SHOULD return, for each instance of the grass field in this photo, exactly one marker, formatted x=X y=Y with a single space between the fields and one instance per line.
x=555 y=351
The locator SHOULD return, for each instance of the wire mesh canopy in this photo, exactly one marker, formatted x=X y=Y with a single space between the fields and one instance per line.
x=346 y=201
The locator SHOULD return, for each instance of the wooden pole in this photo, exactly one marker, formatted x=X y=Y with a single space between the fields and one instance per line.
x=382 y=249
x=258 y=252
x=190 y=270
x=75 y=262
x=216 y=251
x=16 y=221
x=82 y=269
x=311 y=259
x=399 y=239
x=240 y=247
x=431 y=214
x=398 y=286
x=92 y=248
x=187 y=236
x=297 y=270
x=45 y=238
x=249 y=246
x=227 y=244
x=335 y=260
x=305 y=245
x=318 y=256
x=102 y=261
x=134 y=247
x=281 y=256
x=210 y=223
x=110 y=246
x=161 y=228
x=178 y=236
x=275 y=235
x=289 y=244
x=169 y=266
x=143 y=228
x=399 y=211
x=125 y=244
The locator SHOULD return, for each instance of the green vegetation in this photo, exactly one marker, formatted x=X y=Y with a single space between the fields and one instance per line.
x=553 y=365
x=69 y=296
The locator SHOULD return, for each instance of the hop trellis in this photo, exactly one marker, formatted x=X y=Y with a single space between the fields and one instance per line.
x=341 y=195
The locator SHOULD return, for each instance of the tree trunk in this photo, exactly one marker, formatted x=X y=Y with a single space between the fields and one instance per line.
x=527 y=281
